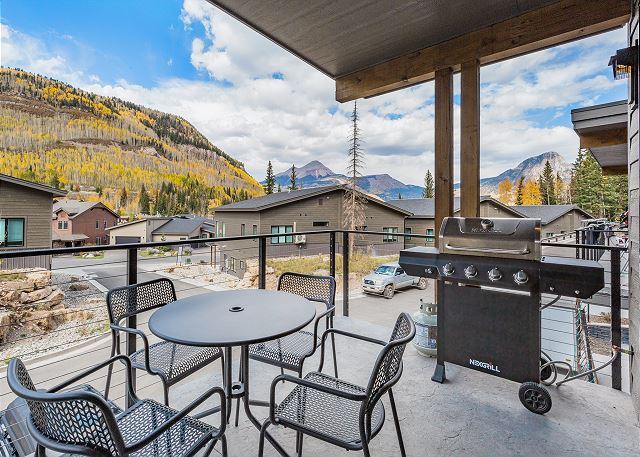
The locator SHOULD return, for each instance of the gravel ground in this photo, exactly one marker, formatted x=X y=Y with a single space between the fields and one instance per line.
x=26 y=344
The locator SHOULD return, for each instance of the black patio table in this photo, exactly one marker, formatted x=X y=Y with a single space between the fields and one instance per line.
x=233 y=318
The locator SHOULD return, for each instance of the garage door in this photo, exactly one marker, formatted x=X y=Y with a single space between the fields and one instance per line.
x=127 y=239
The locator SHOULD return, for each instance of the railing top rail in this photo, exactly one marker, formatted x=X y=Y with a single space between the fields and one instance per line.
x=601 y=247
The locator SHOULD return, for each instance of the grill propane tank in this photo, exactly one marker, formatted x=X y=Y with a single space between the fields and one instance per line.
x=426 y=321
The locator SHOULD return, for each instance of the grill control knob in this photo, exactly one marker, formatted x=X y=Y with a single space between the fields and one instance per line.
x=495 y=274
x=520 y=277
x=471 y=272
x=448 y=269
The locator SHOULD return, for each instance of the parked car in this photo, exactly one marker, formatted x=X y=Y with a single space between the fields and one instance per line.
x=389 y=277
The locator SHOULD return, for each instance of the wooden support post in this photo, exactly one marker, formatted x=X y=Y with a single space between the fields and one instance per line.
x=470 y=139
x=443 y=147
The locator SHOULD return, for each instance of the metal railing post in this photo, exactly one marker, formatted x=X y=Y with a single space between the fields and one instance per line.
x=132 y=321
x=616 y=330
x=332 y=254
x=262 y=263
x=577 y=242
x=345 y=274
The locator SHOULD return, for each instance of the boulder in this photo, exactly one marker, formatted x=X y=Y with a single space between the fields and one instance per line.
x=76 y=286
x=36 y=295
x=51 y=301
x=40 y=278
x=6 y=319
x=21 y=285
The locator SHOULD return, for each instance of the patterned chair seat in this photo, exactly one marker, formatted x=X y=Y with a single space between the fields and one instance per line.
x=180 y=440
x=286 y=352
x=175 y=361
x=327 y=414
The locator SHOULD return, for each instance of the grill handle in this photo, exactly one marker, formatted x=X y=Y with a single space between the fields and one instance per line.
x=524 y=251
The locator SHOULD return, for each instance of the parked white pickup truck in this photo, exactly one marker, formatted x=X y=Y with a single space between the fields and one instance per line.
x=389 y=277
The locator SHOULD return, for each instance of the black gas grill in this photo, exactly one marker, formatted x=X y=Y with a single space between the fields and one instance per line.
x=490 y=278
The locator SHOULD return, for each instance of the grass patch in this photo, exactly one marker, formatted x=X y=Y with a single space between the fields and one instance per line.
x=358 y=263
x=4 y=277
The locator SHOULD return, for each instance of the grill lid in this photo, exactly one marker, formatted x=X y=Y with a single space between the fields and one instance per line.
x=498 y=237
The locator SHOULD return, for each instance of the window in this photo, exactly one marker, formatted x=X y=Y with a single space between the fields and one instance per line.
x=321 y=224
x=390 y=238
x=320 y=201
x=98 y=224
x=242 y=230
x=104 y=226
x=281 y=229
x=430 y=238
x=407 y=231
x=254 y=229
x=242 y=265
x=98 y=240
x=222 y=229
x=63 y=225
x=11 y=232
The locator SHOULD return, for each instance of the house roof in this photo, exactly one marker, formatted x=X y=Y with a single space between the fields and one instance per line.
x=35 y=186
x=424 y=208
x=182 y=225
x=548 y=213
x=71 y=237
x=76 y=207
x=283 y=198
x=138 y=221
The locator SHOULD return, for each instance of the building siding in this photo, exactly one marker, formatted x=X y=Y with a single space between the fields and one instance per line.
x=34 y=206
x=634 y=232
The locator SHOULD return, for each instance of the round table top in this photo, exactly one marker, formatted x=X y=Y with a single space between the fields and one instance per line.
x=232 y=317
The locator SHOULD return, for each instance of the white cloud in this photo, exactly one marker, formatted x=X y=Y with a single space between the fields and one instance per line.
x=290 y=118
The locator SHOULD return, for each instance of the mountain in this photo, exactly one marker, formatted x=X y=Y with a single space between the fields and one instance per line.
x=316 y=174
x=105 y=148
x=386 y=187
x=530 y=168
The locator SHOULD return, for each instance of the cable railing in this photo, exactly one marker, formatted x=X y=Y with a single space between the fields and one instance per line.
x=71 y=345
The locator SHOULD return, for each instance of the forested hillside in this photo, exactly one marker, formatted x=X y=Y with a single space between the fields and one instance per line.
x=104 y=148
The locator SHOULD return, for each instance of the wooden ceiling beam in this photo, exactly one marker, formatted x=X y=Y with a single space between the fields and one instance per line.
x=603 y=138
x=557 y=23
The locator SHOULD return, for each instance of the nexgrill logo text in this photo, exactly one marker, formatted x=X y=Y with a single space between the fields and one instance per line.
x=485 y=365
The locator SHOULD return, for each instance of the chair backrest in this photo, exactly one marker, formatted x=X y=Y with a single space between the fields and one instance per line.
x=67 y=421
x=315 y=288
x=128 y=301
x=388 y=366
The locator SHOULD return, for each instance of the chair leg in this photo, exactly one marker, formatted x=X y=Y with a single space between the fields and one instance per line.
x=223 y=439
x=110 y=369
x=263 y=431
x=397 y=423
x=166 y=393
x=335 y=358
x=301 y=439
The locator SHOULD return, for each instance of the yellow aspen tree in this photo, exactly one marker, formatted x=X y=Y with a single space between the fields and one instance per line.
x=531 y=194
x=505 y=192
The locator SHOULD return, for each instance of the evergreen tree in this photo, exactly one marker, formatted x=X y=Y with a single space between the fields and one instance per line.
x=399 y=196
x=143 y=201
x=560 y=191
x=428 y=191
x=279 y=188
x=123 y=197
x=270 y=181
x=293 y=177
x=547 y=185
x=354 y=202
x=588 y=192
x=519 y=191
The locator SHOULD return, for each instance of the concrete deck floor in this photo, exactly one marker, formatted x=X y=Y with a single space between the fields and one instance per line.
x=472 y=414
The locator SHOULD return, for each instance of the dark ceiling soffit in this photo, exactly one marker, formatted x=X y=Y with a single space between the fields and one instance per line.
x=254 y=27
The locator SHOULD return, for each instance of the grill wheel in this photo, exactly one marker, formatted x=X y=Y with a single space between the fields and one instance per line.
x=534 y=397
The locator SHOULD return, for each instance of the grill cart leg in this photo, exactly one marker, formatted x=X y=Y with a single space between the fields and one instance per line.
x=439 y=374
x=534 y=397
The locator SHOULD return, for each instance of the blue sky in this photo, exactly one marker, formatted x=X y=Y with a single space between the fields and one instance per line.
x=259 y=103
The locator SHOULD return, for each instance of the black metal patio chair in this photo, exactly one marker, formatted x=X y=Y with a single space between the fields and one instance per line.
x=169 y=361
x=336 y=411
x=81 y=421
x=290 y=352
